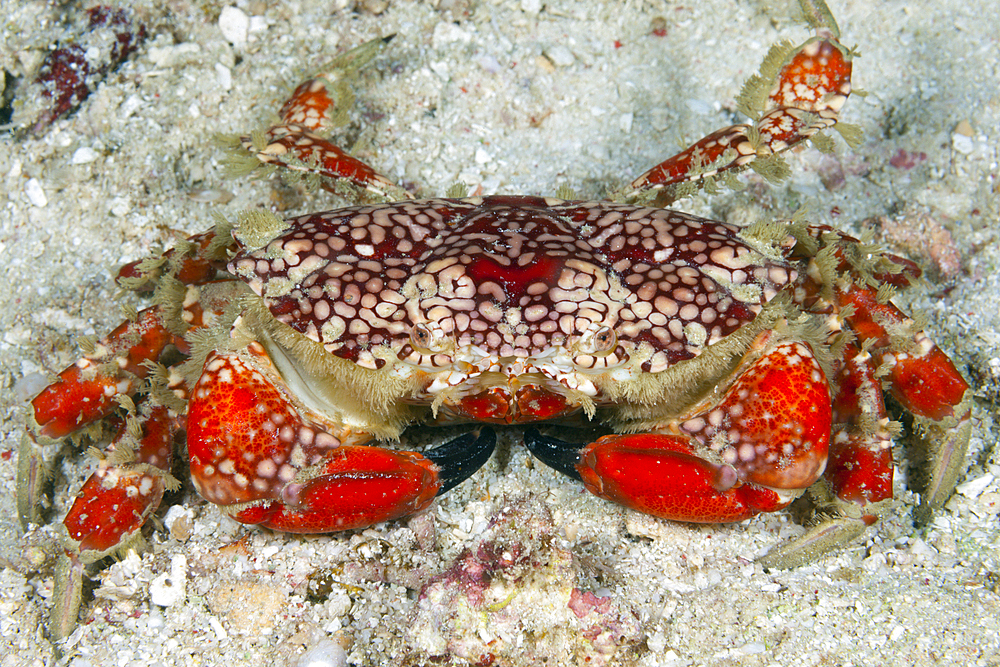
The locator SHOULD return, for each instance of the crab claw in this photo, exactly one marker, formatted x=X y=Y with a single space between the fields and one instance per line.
x=773 y=428
x=269 y=461
x=656 y=474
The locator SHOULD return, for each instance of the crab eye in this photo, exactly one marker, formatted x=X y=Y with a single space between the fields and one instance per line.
x=421 y=338
x=605 y=341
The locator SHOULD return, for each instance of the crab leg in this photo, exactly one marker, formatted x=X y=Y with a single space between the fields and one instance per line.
x=133 y=474
x=298 y=141
x=88 y=390
x=924 y=380
x=263 y=459
x=113 y=504
x=757 y=450
x=128 y=485
x=194 y=261
x=802 y=91
x=860 y=470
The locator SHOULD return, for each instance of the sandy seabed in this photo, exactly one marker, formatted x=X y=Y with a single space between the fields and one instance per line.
x=508 y=97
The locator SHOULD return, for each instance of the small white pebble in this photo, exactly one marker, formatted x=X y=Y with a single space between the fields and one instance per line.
x=896 y=633
x=974 y=487
x=961 y=143
x=920 y=548
x=220 y=632
x=169 y=588
x=120 y=206
x=234 y=24
x=83 y=155
x=988 y=504
x=874 y=563
x=258 y=23
x=625 y=122
x=326 y=653
x=177 y=512
x=131 y=104
x=168 y=56
x=28 y=385
x=560 y=56
x=223 y=76
x=656 y=642
x=35 y=193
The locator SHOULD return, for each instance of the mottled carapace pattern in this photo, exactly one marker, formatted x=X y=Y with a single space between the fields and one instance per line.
x=508 y=276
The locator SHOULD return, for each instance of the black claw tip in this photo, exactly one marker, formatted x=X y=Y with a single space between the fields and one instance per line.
x=458 y=459
x=557 y=454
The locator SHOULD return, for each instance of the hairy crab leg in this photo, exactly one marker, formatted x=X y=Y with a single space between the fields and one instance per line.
x=860 y=469
x=756 y=450
x=925 y=382
x=799 y=92
x=859 y=472
x=128 y=485
x=298 y=141
x=195 y=261
x=113 y=504
x=88 y=390
x=258 y=455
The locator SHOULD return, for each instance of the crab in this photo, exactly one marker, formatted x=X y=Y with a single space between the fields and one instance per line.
x=736 y=368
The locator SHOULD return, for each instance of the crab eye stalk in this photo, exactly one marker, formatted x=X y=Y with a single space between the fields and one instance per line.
x=605 y=341
x=421 y=338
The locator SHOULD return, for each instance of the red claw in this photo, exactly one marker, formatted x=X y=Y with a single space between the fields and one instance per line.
x=252 y=450
x=355 y=488
x=662 y=475
x=774 y=422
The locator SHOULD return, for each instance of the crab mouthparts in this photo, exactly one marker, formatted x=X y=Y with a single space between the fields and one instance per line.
x=523 y=400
